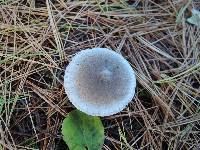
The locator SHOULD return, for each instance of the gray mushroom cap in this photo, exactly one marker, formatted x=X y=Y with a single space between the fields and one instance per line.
x=99 y=82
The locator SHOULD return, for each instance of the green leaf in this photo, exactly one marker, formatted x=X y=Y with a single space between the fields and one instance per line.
x=81 y=131
x=195 y=18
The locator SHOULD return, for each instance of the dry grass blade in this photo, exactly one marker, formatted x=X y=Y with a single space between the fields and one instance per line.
x=38 y=39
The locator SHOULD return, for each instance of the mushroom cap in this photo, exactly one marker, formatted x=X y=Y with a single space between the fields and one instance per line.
x=99 y=82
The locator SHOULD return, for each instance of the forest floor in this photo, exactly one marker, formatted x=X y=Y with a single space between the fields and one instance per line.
x=38 y=39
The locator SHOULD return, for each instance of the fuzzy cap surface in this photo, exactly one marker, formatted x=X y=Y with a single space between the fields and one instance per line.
x=99 y=82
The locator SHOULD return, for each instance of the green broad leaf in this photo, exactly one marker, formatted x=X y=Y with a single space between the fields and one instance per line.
x=195 y=18
x=83 y=132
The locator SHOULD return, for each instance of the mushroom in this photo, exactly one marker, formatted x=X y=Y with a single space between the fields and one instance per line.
x=99 y=82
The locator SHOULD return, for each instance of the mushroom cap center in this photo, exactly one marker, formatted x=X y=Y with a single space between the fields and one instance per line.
x=105 y=75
